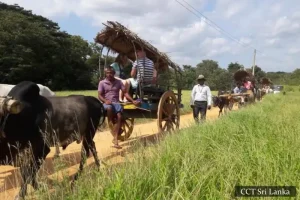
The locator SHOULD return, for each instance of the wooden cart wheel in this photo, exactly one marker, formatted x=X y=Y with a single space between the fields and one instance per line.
x=126 y=130
x=168 y=112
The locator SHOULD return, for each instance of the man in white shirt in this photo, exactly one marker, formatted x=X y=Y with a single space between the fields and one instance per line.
x=200 y=99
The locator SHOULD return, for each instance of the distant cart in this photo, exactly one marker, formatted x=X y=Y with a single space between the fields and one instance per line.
x=239 y=76
x=157 y=101
x=232 y=99
x=266 y=81
x=265 y=88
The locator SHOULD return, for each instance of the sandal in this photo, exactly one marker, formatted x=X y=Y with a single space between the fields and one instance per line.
x=117 y=146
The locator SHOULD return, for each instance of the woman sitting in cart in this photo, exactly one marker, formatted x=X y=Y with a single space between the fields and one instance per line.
x=119 y=65
x=248 y=84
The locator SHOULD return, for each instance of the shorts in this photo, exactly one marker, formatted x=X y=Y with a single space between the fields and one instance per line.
x=116 y=107
x=133 y=83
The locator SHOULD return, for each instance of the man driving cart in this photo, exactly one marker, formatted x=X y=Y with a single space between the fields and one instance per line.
x=108 y=93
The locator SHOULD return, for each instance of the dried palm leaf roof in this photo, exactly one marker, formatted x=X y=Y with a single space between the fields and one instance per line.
x=266 y=81
x=119 y=39
x=240 y=75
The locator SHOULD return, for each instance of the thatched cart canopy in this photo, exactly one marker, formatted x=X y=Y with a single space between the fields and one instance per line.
x=119 y=39
x=240 y=75
x=266 y=81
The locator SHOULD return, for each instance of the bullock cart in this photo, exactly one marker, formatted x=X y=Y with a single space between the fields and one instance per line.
x=240 y=77
x=265 y=87
x=158 y=101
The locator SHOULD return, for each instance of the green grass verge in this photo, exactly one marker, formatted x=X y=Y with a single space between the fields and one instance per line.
x=258 y=145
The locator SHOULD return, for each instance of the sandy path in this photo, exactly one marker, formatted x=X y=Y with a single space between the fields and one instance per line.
x=9 y=176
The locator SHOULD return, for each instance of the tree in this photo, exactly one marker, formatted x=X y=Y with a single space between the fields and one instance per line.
x=233 y=67
x=294 y=78
x=207 y=67
x=213 y=74
x=33 y=48
x=189 y=76
x=258 y=73
x=278 y=77
x=221 y=79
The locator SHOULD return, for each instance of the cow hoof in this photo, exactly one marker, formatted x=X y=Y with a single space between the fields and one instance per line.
x=56 y=156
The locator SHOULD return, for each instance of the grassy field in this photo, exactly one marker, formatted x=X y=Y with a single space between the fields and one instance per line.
x=258 y=145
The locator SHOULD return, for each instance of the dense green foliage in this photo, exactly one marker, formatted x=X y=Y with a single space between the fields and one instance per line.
x=33 y=48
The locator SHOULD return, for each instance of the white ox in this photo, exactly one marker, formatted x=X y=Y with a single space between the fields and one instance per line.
x=44 y=90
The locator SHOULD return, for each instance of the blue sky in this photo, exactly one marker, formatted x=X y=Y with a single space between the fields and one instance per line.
x=76 y=26
x=271 y=26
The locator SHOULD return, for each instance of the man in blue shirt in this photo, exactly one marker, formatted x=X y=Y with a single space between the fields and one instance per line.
x=238 y=90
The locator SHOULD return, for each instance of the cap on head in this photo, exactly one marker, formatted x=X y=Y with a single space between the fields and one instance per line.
x=201 y=77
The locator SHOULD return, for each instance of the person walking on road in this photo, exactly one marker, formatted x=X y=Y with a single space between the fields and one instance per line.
x=200 y=99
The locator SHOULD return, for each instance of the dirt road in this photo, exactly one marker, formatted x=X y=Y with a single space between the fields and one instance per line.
x=9 y=176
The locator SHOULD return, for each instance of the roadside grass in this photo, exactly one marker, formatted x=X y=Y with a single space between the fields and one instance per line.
x=258 y=145
x=291 y=88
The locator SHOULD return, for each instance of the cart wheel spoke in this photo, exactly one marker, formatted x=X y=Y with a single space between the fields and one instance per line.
x=165 y=126
x=126 y=129
x=126 y=125
x=165 y=119
x=165 y=112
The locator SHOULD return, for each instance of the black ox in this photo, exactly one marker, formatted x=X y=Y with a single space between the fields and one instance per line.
x=221 y=102
x=43 y=121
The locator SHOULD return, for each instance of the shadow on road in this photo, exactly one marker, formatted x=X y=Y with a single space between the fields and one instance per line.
x=11 y=179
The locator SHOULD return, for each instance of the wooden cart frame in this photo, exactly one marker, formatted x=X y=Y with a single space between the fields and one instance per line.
x=158 y=101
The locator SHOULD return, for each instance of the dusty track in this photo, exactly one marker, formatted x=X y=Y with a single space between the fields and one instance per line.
x=9 y=176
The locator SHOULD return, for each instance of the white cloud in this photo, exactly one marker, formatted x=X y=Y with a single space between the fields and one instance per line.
x=270 y=26
x=294 y=50
x=284 y=25
x=276 y=8
x=245 y=40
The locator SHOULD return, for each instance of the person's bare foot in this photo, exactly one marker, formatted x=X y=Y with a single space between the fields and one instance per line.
x=116 y=145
